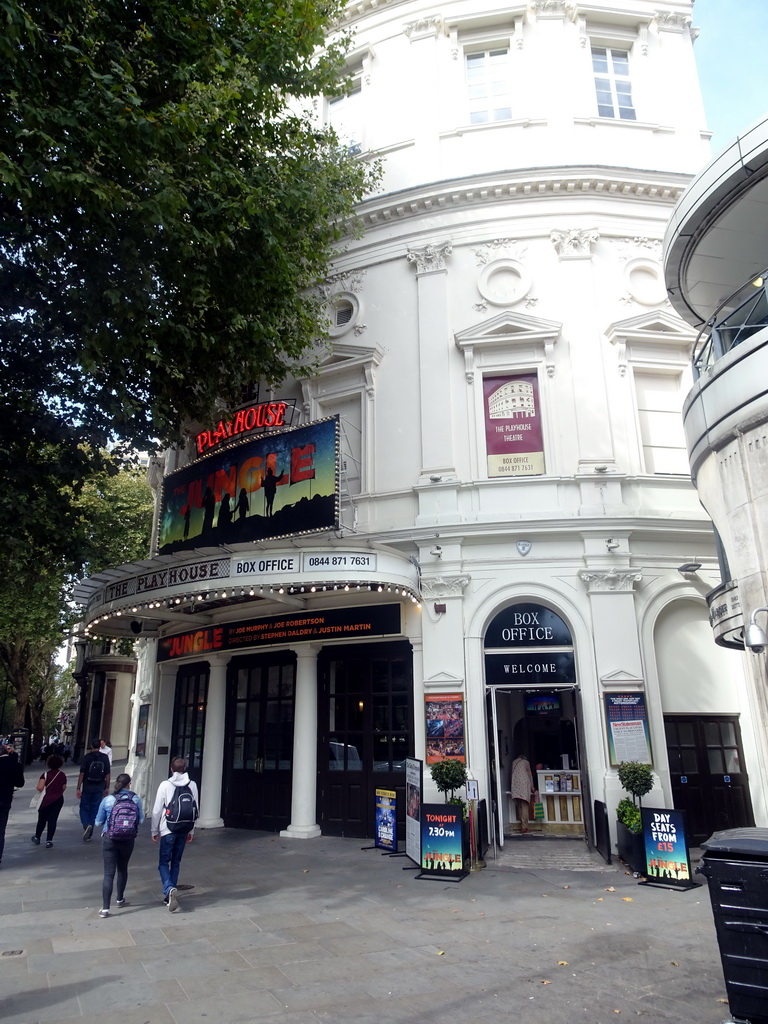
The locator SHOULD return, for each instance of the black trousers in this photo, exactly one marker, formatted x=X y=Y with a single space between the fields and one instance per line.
x=47 y=817
x=116 y=856
x=5 y=810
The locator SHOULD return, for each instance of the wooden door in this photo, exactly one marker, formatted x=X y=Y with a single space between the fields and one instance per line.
x=706 y=765
x=259 y=742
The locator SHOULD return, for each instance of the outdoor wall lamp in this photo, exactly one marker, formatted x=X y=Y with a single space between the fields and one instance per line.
x=754 y=635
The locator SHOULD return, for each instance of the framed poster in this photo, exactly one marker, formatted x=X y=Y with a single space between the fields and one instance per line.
x=444 y=716
x=626 y=722
x=514 y=439
x=385 y=830
x=442 y=842
x=414 y=786
x=141 y=731
x=667 y=862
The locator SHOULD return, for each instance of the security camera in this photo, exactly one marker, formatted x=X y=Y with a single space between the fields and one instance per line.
x=754 y=635
x=136 y=627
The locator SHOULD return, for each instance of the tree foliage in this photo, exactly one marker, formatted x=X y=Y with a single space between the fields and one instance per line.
x=163 y=217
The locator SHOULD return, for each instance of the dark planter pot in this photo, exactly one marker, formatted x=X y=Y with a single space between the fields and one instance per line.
x=631 y=848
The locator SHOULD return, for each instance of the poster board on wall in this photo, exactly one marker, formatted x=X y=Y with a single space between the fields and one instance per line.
x=626 y=723
x=444 y=717
x=514 y=439
x=141 y=731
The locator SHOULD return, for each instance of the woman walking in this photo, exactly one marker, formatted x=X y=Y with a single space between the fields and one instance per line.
x=53 y=783
x=120 y=814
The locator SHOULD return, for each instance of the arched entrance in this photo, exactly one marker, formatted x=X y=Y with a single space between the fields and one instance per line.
x=533 y=707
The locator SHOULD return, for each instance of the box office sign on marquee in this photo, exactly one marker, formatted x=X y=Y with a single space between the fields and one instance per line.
x=514 y=439
x=268 y=486
x=327 y=624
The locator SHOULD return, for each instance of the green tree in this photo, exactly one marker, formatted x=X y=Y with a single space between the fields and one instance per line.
x=164 y=216
x=110 y=519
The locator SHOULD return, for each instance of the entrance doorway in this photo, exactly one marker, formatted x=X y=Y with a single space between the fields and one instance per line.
x=365 y=733
x=707 y=774
x=543 y=724
x=258 y=758
x=189 y=718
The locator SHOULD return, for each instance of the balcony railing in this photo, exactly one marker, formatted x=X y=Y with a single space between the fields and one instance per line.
x=747 y=313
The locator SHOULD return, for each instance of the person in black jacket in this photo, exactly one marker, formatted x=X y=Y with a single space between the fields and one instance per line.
x=11 y=778
x=92 y=786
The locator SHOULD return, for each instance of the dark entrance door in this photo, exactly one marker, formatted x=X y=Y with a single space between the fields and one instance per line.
x=706 y=769
x=259 y=742
x=365 y=727
x=189 y=718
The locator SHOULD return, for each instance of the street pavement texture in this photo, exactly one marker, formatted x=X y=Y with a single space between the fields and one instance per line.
x=325 y=931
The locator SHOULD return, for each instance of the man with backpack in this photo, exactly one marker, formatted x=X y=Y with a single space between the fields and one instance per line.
x=92 y=786
x=173 y=824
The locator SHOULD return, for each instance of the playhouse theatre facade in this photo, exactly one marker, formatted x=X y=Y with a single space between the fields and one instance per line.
x=473 y=531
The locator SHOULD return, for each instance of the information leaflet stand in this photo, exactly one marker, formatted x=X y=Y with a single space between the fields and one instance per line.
x=442 y=842
x=667 y=862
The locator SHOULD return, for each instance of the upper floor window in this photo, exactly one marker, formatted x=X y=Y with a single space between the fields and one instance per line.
x=612 y=85
x=488 y=86
x=346 y=116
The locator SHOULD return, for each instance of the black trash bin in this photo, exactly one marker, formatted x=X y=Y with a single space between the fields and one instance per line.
x=736 y=865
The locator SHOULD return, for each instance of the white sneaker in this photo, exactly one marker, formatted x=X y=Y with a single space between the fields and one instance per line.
x=104 y=912
x=173 y=902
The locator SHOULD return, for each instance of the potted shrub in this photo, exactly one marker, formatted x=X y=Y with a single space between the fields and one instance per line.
x=637 y=779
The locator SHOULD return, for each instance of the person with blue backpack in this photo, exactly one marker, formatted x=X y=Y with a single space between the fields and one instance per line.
x=121 y=813
x=173 y=824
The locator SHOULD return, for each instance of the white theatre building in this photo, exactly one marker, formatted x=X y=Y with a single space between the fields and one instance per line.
x=508 y=553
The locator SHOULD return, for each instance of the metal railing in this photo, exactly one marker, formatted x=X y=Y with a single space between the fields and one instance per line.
x=747 y=314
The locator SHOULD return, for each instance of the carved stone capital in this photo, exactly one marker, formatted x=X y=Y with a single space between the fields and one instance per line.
x=673 y=21
x=605 y=581
x=444 y=586
x=551 y=8
x=430 y=257
x=574 y=243
x=423 y=28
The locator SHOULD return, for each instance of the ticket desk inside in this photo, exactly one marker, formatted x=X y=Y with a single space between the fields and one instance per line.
x=560 y=793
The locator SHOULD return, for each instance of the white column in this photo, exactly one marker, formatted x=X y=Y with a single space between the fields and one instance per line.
x=304 y=794
x=213 y=745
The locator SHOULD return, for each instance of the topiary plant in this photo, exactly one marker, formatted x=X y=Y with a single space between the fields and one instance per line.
x=636 y=778
x=448 y=775
x=629 y=816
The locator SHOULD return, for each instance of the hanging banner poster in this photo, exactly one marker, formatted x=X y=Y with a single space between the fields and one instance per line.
x=667 y=862
x=413 y=789
x=442 y=845
x=273 y=485
x=626 y=720
x=514 y=439
x=141 y=731
x=385 y=830
x=444 y=714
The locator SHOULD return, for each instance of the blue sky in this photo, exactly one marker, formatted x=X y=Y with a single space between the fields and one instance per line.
x=732 y=57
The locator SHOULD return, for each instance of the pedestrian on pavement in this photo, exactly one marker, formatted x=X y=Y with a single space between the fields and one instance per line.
x=92 y=786
x=105 y=748
x=521 y=786
x=121 y=826
x=173 y=824
x=11 y=778
x=52 y=783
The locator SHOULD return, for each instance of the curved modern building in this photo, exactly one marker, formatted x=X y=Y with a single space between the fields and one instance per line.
x=472 y=532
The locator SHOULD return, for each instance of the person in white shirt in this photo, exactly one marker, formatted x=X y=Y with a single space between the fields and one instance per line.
x=105 y=748
x=173 y=840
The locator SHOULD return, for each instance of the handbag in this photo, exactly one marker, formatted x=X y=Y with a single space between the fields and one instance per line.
x=538 y=808
x=37 y=799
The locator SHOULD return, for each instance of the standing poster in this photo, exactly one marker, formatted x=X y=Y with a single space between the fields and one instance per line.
x=667 y=861
x=444 y=714
x=442 y=843
x=385 y=831
x=514 y=439
x=626 y=720
x=413 y=790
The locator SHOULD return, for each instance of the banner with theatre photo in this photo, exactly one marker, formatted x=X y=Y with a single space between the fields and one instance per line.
x=444 y=714
x=268 y=486
x=514 y=438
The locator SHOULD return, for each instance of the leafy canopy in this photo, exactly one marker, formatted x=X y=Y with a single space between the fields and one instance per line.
x=163 y=216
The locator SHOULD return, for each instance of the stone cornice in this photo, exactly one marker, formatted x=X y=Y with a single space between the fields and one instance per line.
x=606 y=581
x=443 y=586
x=519 y=186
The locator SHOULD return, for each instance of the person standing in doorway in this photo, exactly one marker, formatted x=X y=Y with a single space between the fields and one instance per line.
x=53 y=782
x=11 y=778
x=521 y=786
x=105 y=748
x=173 y=825
x=92 y=786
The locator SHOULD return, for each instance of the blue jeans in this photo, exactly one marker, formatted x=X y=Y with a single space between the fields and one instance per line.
x=171 y=850
x=90 y=798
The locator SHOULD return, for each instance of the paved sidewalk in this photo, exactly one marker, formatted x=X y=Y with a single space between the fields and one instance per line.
x=302 y=932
